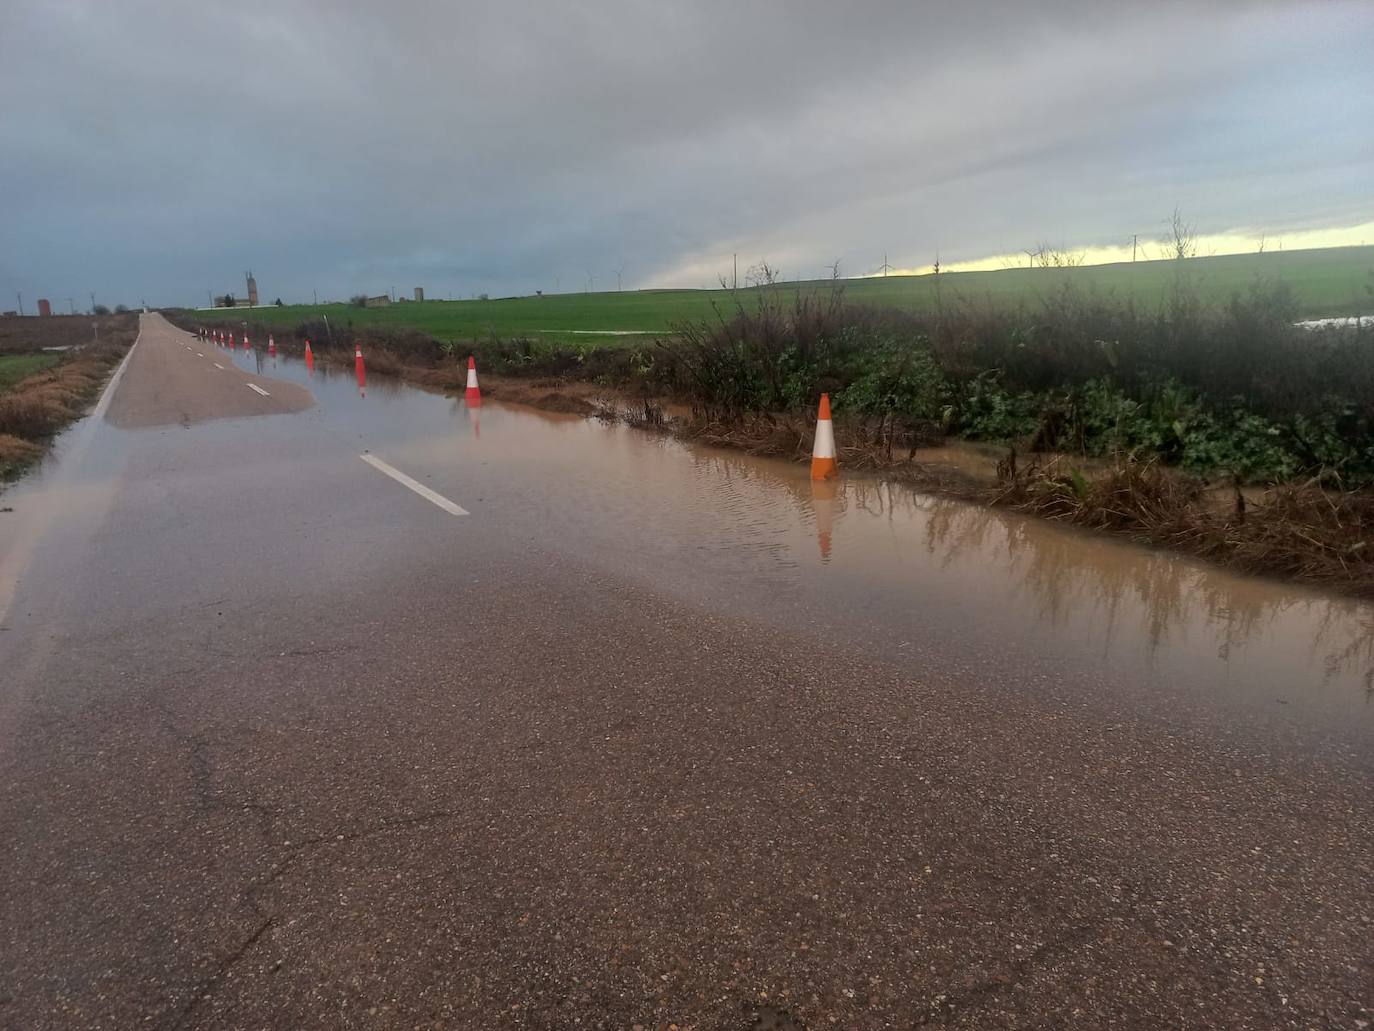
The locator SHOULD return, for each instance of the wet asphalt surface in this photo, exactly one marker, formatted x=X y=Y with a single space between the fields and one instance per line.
x=284 y=745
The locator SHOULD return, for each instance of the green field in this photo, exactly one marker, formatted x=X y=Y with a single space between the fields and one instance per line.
x=14 y=367
x=1332 y=281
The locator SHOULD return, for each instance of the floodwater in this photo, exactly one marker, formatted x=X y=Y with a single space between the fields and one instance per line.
x=1338 y=322
x=940 y=586
x=904 y=572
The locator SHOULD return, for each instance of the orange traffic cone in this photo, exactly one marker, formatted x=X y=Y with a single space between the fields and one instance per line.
x=473 y=395
x=358 y=365
x=823 y=465
x=271 y=346
x=309 y=357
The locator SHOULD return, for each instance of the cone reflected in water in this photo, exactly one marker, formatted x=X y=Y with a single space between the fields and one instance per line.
x=823 y=465
x=360 y=369
x=271 y=345
x=823 y=502
x=473 y=395
x=309 y=358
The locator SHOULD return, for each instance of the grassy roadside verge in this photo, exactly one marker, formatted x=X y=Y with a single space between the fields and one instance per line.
x=1213 y=428
x=42 y=392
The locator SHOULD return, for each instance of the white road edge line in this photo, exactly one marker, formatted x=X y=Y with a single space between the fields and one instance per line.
x=419 y=488
x=218 y=366
x=254 y=386
x=199 y=355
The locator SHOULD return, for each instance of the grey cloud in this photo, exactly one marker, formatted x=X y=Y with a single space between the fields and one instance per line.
x=156 y=149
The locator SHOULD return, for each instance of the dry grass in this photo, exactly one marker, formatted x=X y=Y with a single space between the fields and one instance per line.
x=1299 y=531
x=33 y=410
x=15 y=453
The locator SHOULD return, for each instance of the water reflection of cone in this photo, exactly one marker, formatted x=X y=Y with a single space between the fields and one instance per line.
x=475 y=416
x=823 y=501
x=823 y=465
x=271 y=345
x=358 y=365
x=473 y=395
x=309 y=357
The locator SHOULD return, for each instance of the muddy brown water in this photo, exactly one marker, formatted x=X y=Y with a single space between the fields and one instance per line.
x=937 y=585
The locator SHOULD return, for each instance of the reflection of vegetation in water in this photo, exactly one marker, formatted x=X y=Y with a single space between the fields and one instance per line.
x=1067 y=573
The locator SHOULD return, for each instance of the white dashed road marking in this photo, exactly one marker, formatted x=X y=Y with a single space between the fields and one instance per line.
x=419 y=488
x=218 y=366
x=254 y=386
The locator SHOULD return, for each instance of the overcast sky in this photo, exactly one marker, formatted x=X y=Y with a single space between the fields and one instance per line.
x=157 y=149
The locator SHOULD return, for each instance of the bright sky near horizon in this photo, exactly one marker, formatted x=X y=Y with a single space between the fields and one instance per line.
x=155 y=149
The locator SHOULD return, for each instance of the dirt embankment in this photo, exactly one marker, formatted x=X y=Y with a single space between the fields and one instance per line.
x=36 y=408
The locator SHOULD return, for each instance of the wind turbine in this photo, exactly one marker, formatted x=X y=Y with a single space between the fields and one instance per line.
x=884 y=267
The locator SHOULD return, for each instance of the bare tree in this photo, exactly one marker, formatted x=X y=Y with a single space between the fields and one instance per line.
x=761 y=274
x=1047 y=256
x=1180 y=237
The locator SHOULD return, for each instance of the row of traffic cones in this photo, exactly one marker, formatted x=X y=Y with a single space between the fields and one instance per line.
x=225 y=338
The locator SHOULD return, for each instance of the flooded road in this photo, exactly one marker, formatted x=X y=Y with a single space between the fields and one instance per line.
x=915 y=577
x=387 y=710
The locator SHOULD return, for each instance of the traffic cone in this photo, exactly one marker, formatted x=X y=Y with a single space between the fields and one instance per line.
x=309 y=357
x=246 y=345
x=271 y=346
x=358 y=365
x=823 y=465
x=473 y=395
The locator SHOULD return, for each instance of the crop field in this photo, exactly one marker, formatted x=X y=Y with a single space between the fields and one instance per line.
x=1332 y=281
x=14 y=367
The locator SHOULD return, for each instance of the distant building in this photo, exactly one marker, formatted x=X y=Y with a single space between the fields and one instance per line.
x=419 y=293
x=380 y=301
x=252 y=290
x=44 y=308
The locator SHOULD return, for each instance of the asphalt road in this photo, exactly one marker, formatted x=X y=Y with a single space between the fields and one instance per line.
x=285 y=744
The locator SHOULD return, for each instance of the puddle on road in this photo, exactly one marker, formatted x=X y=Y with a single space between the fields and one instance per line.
x=921 y=573
x=917 y=578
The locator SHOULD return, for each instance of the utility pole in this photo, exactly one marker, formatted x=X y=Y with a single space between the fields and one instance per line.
x=21 y=303
x=92 y=302
x=317 y=297
x=209 y=299
x=734 y=276
x=1134 y=238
